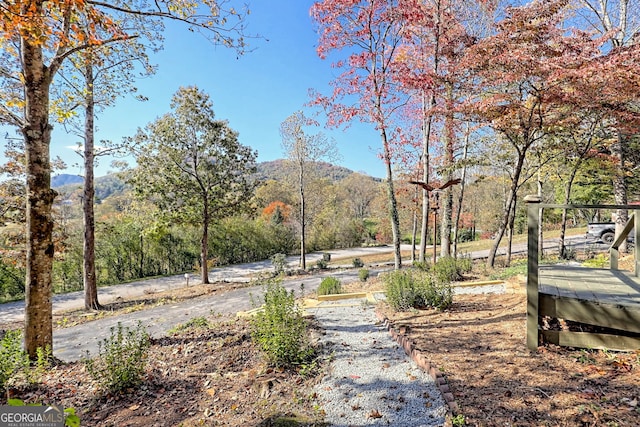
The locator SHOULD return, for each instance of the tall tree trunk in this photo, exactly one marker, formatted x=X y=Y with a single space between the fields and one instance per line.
x=393 y=204
x=414 y=226
x=511 y=200
x=303 y=223
x=40 y=196
x=89 y=258
x=427 y=119
x=447 y=205
x=463 y=178
x=204 y=242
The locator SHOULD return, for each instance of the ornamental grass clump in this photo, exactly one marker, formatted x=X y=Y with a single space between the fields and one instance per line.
x=280 y=329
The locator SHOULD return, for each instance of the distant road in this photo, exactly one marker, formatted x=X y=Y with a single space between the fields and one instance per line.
x=73 y=343
x=14 y=311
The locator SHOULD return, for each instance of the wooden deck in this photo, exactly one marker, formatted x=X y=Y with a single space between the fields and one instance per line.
x=592 y=296
x=604 y=302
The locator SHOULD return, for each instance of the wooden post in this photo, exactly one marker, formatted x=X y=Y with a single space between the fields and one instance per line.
x=533 y=219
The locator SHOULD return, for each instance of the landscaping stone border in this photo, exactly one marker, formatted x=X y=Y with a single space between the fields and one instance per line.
x=399 y=335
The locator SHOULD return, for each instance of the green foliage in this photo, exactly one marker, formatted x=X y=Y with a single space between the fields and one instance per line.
x=422 y=265
x=237 y=239
x=13 y=359
x=195 y=323
x=191 y=165
x=363 y=274
x=330 y=286
x=458 y=421
x=599 y=261
x=450 y=269
x=466 y=235
x=357 y=263
x=517 y=268
x=11 y=282
x=322 y=264
x=134 y=247
x=122 y=358
x=280 y=328
x=279 y=262
x=415 y=289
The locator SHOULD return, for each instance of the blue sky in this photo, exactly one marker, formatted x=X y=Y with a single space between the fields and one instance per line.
x=255 y=92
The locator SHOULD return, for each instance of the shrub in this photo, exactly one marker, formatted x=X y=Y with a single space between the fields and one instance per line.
x=400 y=290
x=195 y=323
x=280 y=329
x=450 y=269
x=322 y=264
x=122 y=358
x=13 y=359
x=363 y=274
x=279 y=262
x=406 y=290
x=446 y=270
x=329 y=286
x=357 y=263
x=422 y=265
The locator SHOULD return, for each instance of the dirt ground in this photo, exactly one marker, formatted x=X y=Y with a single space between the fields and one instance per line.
x=479 y=345
x=213 y=375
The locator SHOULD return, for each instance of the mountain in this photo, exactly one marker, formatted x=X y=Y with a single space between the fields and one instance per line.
x=65 y=179
x=279 y=170
x=112 y=184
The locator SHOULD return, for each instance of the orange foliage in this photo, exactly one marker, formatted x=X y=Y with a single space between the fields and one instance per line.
x=56 y=24
x=284 y=209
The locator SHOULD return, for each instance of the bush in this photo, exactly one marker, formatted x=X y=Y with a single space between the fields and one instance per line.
x=329 y=286
x=13 y=359
x=363 y=274
x=322 y=264
x=279 y=262
x=122 y=358
x=357 y=263
x=422 y=265
x=280 y=329
x=406 y=290
x=450 y=269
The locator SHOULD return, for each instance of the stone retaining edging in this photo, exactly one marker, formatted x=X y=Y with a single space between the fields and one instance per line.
x=409 y=348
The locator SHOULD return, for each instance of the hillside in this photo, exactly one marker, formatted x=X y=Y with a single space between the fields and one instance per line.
x=279 y=170
x=65 y=179
x=109 y=185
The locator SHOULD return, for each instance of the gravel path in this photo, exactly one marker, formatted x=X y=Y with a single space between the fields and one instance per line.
x=372 y=382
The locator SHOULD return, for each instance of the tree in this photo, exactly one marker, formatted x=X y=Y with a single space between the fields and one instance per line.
x=516 y=70
x=37 y=37
x=106 y=72
x=192 y=166
x=369 y=33
x=303 y=151
x=610 y=83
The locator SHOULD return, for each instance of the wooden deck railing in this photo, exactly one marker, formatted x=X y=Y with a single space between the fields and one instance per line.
x=614 y=253
x=534 y=212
